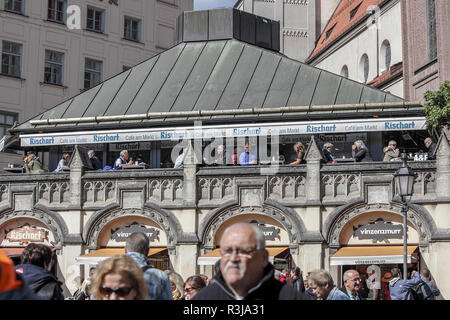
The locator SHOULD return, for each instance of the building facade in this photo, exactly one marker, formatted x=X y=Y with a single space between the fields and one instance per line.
x=362 y=42
x=45 y=61
x=301 y=21
x=425 y=46
x=217 y=84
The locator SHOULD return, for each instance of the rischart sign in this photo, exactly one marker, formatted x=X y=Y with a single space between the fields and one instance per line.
x=26 y=234
x=122 y=234
x=379 y=230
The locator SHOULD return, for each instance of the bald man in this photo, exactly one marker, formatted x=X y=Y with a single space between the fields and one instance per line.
x=244 y=271
x=352 y=284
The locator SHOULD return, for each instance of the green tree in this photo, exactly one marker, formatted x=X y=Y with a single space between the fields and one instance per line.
x=437 y=107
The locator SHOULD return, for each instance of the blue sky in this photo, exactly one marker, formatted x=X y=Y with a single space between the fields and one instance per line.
x=210 y=4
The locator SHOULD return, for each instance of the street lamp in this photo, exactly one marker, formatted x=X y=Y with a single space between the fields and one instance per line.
x=404 y=181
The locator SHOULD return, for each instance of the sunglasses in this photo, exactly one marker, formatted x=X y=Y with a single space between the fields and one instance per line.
x=189 y=290
x=121 y=292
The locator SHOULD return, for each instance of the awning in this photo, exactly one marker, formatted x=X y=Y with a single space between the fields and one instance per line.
x=15 y=251
x=223 y=131
x=213 y=256
x=12 y=251
x=96 y=256
x=371 y=255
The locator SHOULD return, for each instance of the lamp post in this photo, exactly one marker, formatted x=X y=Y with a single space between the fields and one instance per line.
x=404 y=181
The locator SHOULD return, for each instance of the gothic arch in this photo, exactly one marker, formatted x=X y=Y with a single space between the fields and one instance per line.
x=286 y=217
x=417 y=216
x=51 y=219
x=163 y=218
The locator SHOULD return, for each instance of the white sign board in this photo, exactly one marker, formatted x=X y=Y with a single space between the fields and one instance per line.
x=224 y=131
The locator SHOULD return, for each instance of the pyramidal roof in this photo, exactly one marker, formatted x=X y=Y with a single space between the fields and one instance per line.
x=208 y=75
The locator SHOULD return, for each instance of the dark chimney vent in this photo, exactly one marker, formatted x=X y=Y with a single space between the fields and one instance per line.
x=229 y=23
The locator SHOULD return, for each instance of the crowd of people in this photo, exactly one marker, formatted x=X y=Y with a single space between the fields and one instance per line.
x=360 y=153
x=243 y=273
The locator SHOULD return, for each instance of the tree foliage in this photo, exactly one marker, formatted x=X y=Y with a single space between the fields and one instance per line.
x=437 y=106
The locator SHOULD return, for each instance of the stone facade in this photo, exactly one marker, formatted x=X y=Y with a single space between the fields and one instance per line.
x=313 y=205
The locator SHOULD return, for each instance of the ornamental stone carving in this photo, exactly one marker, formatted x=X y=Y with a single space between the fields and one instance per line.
x=287 y=187
x=360 y=209
x=99 y=192
x=54 y=192
x=103 y=218
x=4 y=192
x=49 y=219
x=288 y=224
x=340 y=186
x=212 y=189
x=165 y=190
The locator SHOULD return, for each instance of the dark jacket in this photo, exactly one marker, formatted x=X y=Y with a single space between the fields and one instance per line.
x=362 y=155
x=267 y=289
x=96 y=163
x=41 y=281
x=431 y=151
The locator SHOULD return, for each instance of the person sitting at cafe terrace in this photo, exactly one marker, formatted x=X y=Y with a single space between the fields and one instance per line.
x=122 y=161
x=391 y=152
x=32 y=163
x=63 y=164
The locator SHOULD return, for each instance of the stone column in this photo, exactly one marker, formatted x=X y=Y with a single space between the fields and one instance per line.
x=190 y=175
x=313 y=158
x=76 y=172
x=443 y=168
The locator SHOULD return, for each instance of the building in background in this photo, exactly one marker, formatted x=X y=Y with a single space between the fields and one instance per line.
x=362 y=41
x=44 y=62
x=425 y=27
x=301 y=21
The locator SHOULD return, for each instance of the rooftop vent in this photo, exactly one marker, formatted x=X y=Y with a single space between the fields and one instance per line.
x=228 y=23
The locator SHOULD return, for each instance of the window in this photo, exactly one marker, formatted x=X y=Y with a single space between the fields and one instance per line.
x=15 y=6
x=353 y=12
x=6 y=122
x=344 y=71
x=57 y=10
x=11 y=58
x=92 y=73
x=132 y=29
x=364 y=68
x=54 y=62
x=431 y=29
x=95 y=20
x=385 y=55
x=328 y=33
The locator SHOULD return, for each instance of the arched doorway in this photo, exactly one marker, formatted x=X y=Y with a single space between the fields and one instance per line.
x=370 y=237
x=281 y=227
x=106 y=233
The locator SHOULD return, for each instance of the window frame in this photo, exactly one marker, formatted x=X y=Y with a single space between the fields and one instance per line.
x=4 y=125
x=11 y=55
x=102 y=19
x=22 y=6
x=431 y=29
x=127 y=35
x=92 y=72
x=55 y=11
x=54 y=65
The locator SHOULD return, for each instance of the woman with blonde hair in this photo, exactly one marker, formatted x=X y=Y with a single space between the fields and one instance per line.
x=177 y=283
x=300 y=150
x=119 y=278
